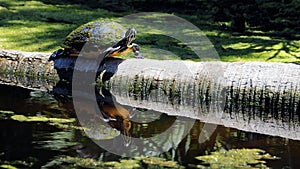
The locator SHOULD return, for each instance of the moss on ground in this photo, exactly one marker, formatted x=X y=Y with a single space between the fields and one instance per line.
x=41 y=27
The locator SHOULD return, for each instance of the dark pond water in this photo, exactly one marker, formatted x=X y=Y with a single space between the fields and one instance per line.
x=36 y=143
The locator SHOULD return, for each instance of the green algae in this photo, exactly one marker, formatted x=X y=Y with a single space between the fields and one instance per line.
x=5 y=113
x=235 y=158
x=22 y=118
x=158 y=162
x=137 y=162
x=7 y=166
x=25 y=163
x=62 y=123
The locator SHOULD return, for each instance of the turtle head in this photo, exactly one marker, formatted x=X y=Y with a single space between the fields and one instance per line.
x=130 y=36
x=124 y=46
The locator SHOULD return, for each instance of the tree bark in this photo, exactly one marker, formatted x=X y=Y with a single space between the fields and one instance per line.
x=261 y=92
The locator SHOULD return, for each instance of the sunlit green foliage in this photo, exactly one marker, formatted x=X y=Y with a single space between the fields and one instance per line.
x=35 y=26
x=42 y=25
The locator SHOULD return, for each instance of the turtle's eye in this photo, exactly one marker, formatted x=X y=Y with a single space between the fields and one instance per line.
x=132 y=36
x=130 y=32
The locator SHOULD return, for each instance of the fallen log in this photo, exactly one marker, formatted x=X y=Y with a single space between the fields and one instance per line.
x=27 y=69
x=267 y=92
x=250 y=83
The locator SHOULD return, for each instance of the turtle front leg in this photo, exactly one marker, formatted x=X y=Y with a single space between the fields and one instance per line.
x=136 y=51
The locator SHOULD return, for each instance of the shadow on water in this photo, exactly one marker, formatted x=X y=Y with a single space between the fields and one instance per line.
x=37 y=143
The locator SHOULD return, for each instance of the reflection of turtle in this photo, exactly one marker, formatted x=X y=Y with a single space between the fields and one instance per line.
x=107 y=38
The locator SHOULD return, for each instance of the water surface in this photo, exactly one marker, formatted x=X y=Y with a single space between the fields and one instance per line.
x=32 y=144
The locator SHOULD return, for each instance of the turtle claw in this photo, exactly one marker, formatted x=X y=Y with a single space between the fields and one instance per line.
x=138 y=55
x=136 y=51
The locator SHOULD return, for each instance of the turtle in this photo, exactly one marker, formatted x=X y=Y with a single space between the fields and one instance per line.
x=101 y=37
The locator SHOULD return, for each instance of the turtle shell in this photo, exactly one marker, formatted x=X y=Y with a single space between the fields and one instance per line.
x=100 y=34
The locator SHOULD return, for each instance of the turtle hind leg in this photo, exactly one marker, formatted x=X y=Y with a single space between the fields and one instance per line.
x=57 y=54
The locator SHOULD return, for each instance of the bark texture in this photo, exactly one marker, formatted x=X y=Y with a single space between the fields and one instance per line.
x=253 y=96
